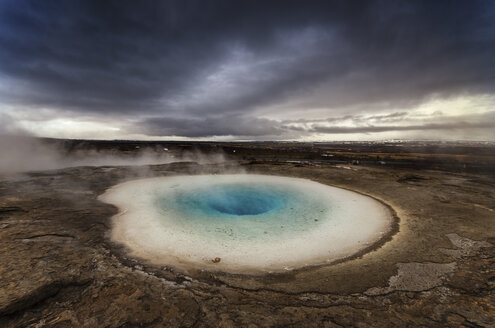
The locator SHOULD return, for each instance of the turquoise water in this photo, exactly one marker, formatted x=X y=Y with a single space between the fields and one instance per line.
x=241 y=210
x=250 y=221
x=233 y=200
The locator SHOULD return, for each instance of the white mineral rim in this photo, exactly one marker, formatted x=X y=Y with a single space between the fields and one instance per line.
x=351 y=224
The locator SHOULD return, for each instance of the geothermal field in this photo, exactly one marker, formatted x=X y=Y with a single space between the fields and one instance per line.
x=224 y=164
x=248 y=235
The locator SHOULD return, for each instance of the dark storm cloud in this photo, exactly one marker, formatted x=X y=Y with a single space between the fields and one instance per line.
x=212 y=126
x=399 y=121
x=235 y=125
x=392 y=117
x=191 y=62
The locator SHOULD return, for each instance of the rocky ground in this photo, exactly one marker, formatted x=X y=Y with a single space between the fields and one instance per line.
x=59 y=269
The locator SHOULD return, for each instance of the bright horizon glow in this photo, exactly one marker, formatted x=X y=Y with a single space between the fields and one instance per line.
x=473 y=110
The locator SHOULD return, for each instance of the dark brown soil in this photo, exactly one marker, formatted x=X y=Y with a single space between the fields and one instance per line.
x=59 y=269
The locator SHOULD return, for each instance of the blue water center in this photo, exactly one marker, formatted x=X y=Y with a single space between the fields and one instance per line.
x=240 y=210
x=234 y=200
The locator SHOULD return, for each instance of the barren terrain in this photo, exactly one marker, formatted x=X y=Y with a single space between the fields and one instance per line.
x=58 y=268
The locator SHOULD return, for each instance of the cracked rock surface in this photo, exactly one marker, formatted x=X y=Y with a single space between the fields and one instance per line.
x=58 y=267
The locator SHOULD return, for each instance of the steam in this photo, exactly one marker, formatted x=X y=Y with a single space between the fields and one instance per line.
x=24 y=153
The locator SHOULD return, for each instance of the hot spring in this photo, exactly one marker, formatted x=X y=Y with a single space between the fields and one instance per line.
x=243 y=222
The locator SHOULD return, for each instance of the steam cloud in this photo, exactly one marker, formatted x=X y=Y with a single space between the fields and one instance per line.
x=25 y=153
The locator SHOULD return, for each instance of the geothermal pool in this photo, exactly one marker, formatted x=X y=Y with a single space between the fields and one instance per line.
x=243 y=222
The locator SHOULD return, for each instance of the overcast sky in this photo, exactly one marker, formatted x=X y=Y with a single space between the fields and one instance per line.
x=248 y=70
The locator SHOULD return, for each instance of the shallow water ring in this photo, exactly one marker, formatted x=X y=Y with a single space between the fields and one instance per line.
x=247 y=222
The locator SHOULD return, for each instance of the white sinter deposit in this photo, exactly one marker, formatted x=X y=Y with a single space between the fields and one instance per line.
x=250 y=222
